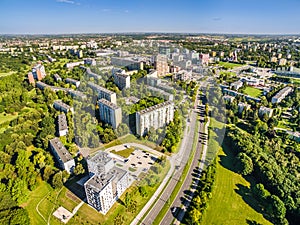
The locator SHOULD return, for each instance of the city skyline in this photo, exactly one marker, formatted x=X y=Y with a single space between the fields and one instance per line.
x=90 y=16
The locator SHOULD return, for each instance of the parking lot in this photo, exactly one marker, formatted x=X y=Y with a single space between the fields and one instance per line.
x=138 y=161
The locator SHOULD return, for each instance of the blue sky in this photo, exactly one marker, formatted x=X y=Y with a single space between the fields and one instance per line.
x=102 y=16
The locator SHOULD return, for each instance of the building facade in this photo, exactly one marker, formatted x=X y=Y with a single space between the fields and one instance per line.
x=161 y=64
x=62 y=155
x=104 y=93
x=62 y=125
x=281 y=94
x=155 y=116
x=110 y=113
x=122 y=80
x=106 y=184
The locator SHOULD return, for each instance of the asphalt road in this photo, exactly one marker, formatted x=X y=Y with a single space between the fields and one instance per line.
x=180 y=161
x=185 y=194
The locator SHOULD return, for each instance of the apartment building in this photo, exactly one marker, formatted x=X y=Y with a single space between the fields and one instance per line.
x=122 y=80
x=161 y=64
x=62 y=125
x=104 y=93
x=155 y=116
x=106 y=184
x=110 y=113
x=264 y=110
x=73 y=81
x=38 y=72
x=281 y=94
x=61 y=106
x=62 y=155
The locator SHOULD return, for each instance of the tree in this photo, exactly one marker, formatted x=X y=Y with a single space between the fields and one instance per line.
x=79 y=169
x=194 y=216
x=57 y=181
x=127 y=200
x=244 y=165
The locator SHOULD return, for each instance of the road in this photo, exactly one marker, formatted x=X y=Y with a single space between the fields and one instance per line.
x=178 y=161
x=187 y=189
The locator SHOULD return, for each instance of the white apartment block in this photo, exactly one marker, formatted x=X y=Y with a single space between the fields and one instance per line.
x=264 y=110
x=62 y=155
x=61 y=106
x=282 y=94
x=106 y=184
x=104 y=93
x=73 y=81
x=62 y=125
x=155 y=116
x=110 y=113
x=122 y=80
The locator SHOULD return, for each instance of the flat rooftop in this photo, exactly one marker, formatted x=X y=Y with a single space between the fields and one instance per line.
x=108 y=103
x=60 y=149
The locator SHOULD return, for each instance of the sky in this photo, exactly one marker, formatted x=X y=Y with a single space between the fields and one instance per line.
x=116 y=16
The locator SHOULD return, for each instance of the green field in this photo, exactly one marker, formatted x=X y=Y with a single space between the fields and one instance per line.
x=253 y=92
x=229 y=65
x=124 y=153
x=228 y=204
x=46 y=200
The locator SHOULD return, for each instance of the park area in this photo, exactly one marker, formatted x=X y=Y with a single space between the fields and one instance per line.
x=253 y=92
x=229 y=65
x=231 y=203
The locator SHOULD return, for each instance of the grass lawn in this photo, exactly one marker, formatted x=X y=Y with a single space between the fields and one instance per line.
x=34 y=198
x=229 y=65
x=227 y=206
x=253 y=92
x=122 y=140
x=124 y=153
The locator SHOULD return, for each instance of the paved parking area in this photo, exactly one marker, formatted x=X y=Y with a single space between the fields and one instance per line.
x=138 y=161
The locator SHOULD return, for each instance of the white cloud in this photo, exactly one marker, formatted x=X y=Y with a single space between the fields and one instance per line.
x=66 y=1
x=126 y=11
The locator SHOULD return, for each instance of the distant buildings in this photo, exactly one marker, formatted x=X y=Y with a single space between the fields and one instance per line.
x=129 y=62
x=236 y=85
x=61 y=106
x=110 y=113
x=57 y=77
x=204 y=59
x=106 y=184
x=281 y=94
x=243 y=106
x=62 y=125
x=121 y=79
x=156 y=116
x=77 y=94
x=265 y=111
x=161 y=64
x=104 y=93
x=62 y=155
x=37 y=73
x=73 y=81
x=182 y=75
x=73 y=64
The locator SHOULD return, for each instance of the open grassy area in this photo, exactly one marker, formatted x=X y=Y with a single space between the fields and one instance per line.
x=229 y=65
x=124 y=153
x=46 y=200
x=122 y=140
x=253 y=92
x=228 y=205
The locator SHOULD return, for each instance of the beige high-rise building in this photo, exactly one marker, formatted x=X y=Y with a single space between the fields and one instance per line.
x=161 y=64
